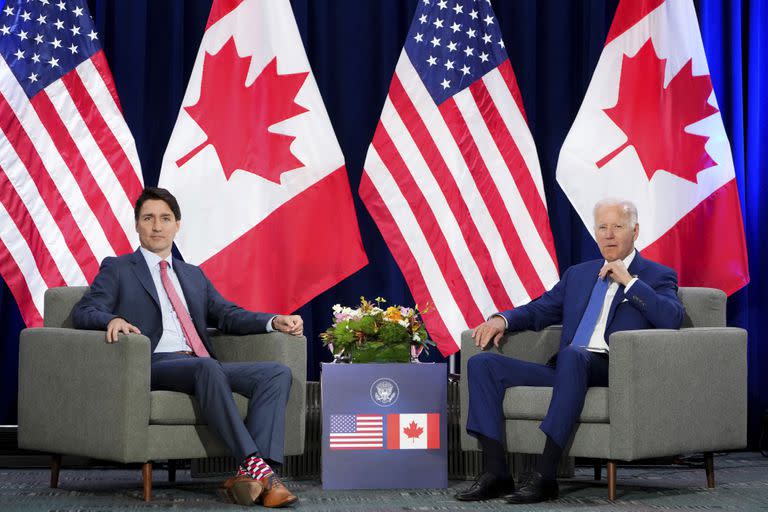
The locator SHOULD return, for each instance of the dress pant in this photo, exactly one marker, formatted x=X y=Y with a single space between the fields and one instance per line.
x=489 y=375
x=265 y=384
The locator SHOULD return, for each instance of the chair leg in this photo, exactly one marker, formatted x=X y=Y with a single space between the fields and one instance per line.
x=709 y=467
x=146 y=475
x=55 y=468
x=611 y=470
x=598 y=464
x=171 y=470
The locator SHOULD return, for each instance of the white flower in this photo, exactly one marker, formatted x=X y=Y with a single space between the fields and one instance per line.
x=416 y=337
x=404 y=323
x=349 y=312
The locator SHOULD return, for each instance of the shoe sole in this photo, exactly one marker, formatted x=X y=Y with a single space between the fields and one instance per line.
x=242 y=493
x=528 y=501
x=493 y=496
x=470 y=500
x=284 y=504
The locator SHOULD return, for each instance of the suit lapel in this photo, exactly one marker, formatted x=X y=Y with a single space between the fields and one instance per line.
x=141 y=270
x=634 y=269
x=615 y=304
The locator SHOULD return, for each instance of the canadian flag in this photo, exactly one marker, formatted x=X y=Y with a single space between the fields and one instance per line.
x=266 y=205
x=650 y=130
x=413 y=431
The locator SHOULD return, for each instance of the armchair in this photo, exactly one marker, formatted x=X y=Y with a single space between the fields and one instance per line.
x=81 y=396
x=669 y=391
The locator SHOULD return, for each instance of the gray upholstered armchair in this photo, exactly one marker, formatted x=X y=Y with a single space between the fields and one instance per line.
x=669 y=392
x=81 y=396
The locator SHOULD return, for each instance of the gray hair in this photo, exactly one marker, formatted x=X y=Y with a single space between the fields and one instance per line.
x=628 y=207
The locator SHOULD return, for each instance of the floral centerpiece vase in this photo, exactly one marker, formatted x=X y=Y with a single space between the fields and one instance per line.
x=372 y=333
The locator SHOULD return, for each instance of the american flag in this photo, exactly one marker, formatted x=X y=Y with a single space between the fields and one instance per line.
x=452 y=176
x=69 y=170
x=356 y=432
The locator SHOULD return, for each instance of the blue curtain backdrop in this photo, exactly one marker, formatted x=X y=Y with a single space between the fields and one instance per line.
x=353 y=47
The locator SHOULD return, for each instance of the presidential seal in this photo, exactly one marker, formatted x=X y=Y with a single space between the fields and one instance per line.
x=384 y=392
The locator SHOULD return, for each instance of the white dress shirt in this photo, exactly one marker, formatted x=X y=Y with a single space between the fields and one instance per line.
x=173 y=339
x=597 y=341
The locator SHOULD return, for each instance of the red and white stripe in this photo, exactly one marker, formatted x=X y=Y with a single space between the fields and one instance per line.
x=255 y=467
x=69 y=174
x=456 y=190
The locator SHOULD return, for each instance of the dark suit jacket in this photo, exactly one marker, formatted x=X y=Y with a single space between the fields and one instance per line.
x=651 y=302
x=124 y=288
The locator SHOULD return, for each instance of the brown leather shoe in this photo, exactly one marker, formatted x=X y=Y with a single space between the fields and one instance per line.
x=241 y=489
x=275 y=494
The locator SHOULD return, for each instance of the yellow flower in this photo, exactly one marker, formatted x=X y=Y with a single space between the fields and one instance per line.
x=393 y=314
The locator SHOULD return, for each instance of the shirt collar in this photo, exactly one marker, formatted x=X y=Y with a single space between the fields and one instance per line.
x=153 y=260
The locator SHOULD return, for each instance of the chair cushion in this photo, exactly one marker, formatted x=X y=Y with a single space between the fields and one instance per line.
x=173 y=408
x=531 y=403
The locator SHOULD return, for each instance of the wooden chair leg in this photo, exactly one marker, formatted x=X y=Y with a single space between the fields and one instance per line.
x=598 y=464
x=146 y=476
x=709 y=467
x=55 y=468
x=611 y=470
x=171 y=471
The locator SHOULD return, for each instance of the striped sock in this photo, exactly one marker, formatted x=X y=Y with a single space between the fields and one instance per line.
x=255 y=467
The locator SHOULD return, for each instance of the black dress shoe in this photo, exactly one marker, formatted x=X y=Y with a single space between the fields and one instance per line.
x=534 y=490
x=486 y=487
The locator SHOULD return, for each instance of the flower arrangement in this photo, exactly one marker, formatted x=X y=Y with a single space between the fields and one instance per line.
x=373 y=333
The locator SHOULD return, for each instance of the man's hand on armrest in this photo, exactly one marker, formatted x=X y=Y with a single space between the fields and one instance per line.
x=489 y=331
x=290 y=324
x=118 y=326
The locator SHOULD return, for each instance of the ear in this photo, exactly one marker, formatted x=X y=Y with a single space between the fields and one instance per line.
x=637 y=232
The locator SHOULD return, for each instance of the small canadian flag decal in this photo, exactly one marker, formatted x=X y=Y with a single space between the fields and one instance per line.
x=413 y=431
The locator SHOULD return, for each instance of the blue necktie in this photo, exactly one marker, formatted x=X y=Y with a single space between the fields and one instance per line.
x=591 y=314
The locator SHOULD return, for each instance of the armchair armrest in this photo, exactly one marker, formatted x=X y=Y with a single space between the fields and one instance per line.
x=534 y=346
x=79 y=395
x=690 y=385
x=271 y=346
x=282 y=348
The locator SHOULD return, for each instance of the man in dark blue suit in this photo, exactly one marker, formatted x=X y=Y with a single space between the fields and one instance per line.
x=623 y=291
x=173 y=303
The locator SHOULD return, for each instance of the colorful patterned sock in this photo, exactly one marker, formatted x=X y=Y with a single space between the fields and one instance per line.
x=255 y=467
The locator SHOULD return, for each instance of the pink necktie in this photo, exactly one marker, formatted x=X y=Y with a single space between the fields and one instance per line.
x=182 y=314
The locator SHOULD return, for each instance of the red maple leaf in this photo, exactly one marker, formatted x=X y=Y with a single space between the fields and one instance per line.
x=236 y=117
x=654 y=117
x=413 y=431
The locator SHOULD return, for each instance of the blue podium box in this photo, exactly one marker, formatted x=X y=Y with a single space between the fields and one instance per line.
x=385 y=426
